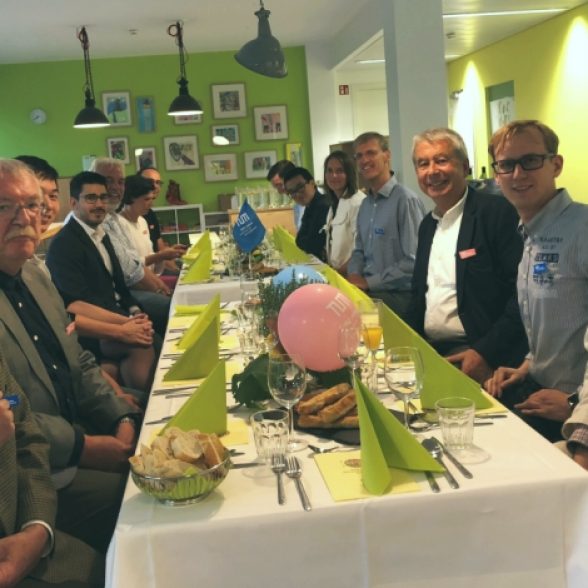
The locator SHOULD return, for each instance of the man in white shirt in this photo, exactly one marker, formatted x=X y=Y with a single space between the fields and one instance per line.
x=464 y=280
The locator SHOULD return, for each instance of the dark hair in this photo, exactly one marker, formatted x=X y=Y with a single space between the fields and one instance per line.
x=508 y=131
x=279 y=169
x=80 y=180
x=297 y=171
x=371 y=136
x=41 y=167
x=350 y=170
x=136 y=187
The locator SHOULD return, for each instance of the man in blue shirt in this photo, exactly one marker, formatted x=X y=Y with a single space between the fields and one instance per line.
x=387 y=228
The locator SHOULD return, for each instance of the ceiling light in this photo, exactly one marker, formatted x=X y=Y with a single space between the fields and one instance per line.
x=505 y=13
x=370 y=61
x=183 y=104
x=264 y=54
x=89 y=117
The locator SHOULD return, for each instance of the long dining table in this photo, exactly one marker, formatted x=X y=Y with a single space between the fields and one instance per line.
x=522 y=520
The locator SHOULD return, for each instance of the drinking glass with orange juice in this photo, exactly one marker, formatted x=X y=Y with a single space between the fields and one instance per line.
x=371 y=331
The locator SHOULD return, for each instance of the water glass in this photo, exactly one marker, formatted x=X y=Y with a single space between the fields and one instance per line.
x=456 y=418
x=270 y=433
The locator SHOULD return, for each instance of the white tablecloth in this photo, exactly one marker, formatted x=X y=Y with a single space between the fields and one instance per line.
x=521 y=521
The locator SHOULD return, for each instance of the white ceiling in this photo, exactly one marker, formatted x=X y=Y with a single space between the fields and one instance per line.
x=45 y=30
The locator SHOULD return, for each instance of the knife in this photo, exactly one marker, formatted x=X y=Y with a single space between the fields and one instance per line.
x=462 y=469
x=246 y=464
x=432 y=482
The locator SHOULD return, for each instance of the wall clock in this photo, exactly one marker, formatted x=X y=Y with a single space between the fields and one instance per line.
x=38 y=116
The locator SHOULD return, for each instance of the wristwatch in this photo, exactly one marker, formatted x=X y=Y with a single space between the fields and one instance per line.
x=127 y=419
x=573 y=400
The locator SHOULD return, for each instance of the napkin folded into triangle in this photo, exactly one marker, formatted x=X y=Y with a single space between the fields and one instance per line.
x=203 y=244
x=357 y=296
x=206 y=409
x=386 y=444
x=441 y=378
x=199 y=271
x=291 y=253
x=188 y=309
x=211 y=312
x=202 y=354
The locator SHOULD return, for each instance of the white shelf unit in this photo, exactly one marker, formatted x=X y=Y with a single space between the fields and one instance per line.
x=177 y=222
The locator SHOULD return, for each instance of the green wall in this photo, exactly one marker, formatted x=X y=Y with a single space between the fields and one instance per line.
x=57 y=88
x=549 y=66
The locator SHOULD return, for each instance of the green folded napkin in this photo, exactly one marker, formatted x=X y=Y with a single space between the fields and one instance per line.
x=200 y=357
x=199 y=271
x=210 y=312
x=386 y=444
x=188 y=309
x=203 y=244
x=291 y=253
x=206 y=409
x=357 y=296
x=441 y=378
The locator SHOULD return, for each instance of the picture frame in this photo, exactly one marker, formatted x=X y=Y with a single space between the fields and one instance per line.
x=188 y=119
x=145 y=157
x=181 y=153
x=294 y=154
x=117 y=108
x=258 y=163
x=228 y=101
x=271 y=122
x=118 y=148
x=229 y=132
x=145 y=109
x=220 y=168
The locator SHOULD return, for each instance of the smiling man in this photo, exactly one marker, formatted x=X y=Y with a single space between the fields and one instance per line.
x=301 y=187
x=464 y=281
x=552 y=285
x=387 y=225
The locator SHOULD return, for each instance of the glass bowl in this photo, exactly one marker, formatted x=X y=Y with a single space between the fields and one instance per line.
x=183 y=489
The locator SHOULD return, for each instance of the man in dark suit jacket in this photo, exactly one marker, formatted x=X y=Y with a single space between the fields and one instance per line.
x=464 y=280
x=81 y=258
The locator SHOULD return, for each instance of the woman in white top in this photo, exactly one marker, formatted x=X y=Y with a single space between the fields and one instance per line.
x=341 y=187
x=136 y=202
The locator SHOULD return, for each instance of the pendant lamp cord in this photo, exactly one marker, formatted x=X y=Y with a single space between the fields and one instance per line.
x=175 y=30
x=89 y=84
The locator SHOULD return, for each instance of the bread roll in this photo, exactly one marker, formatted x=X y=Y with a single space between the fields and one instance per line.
x=338 y=409
x=314 y=403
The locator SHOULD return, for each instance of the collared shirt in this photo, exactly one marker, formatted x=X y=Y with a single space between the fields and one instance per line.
x=387 y=233
x=97 y=234
x=129 y=259
x=552 y=289
x=442 y=321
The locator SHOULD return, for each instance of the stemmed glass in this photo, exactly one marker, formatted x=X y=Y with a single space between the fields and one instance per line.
x=286 y=378
x=372 y=337
x=349 y=346
x=403 y=370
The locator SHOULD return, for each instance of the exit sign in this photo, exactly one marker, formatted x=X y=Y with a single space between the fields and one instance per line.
x=343 y=90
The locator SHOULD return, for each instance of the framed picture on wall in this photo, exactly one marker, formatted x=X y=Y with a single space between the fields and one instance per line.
x=145 y=157
x=228 y=100
x=271 y=123
x=294 y=154
x=181 y=153
x=117 y=108
x=258 y=163
x=220 y=168
x=228 y=132
x=118 y=148
x=145 y=114
x=188 y=119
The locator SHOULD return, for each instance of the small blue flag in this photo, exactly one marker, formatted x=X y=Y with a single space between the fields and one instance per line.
x=248 y=230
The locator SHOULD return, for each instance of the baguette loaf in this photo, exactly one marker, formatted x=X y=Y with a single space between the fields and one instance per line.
x=313 y=421
x=338 y=409
x=311 y=404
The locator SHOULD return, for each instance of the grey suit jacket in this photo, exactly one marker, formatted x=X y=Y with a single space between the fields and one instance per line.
x=97 y=403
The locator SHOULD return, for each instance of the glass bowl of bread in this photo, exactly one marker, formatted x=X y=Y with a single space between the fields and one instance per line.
x=180 y=467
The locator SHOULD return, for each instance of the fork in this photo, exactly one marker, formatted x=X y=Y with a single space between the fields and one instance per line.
x=294 y=471
x=279 y=467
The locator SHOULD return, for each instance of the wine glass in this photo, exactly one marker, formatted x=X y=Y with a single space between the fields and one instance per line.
x=250 y=299
x=286 y=378
x=349 y=346
x=372 y=337
x=403 y=370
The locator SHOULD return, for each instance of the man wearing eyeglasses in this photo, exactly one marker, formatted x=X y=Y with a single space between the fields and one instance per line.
x=464 y=282
x=301 y=187
x=552 y=284
x=387 y=225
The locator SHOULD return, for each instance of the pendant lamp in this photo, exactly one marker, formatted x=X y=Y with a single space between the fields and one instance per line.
x=183 y=104
x=264 y=54
x=89 y=117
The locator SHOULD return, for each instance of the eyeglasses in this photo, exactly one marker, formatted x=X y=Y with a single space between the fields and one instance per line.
x=297 y=190
x=93 y=198
x=158 y=182
x=529 y=162
x=11 y=209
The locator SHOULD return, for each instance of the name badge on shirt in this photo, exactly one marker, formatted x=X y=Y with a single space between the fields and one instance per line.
x=467 y=253
x=378 y=231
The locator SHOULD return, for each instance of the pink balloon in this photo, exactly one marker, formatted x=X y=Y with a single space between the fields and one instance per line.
x=309 y=323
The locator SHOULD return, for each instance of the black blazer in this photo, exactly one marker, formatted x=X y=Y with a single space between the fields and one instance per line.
x=311 y=237
x=485 y=281
x=78 y=271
